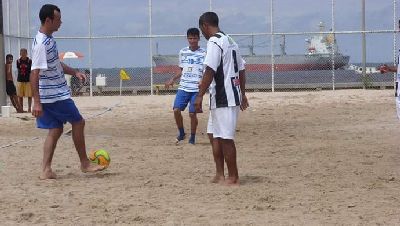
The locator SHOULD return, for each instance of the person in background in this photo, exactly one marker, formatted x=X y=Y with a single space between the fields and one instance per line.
x=10 y=87
x=24 y=86
x=191 y=71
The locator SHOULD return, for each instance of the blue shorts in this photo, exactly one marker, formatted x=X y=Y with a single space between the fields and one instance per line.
x=183 y=98
x=56 y=114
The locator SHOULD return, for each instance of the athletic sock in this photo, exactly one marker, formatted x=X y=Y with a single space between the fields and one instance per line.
x=192 y=139
x=181 y=135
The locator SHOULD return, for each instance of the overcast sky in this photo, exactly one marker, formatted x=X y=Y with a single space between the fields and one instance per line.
x=131 y=17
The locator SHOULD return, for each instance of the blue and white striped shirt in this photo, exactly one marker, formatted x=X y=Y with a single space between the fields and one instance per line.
x=192 y=66
x=52 y=84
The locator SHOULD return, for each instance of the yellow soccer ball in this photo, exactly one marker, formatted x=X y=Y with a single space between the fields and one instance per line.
x=100 y=157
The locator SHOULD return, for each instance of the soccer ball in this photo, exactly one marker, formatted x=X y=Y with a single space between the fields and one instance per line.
x=100 y=157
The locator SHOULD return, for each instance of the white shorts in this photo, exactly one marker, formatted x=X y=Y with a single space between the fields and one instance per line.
x=222 y=122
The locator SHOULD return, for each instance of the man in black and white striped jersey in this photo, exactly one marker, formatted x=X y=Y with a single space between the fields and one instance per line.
x=225 y=75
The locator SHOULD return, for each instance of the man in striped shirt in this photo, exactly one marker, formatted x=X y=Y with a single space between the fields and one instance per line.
x=52 y=105
x=191 y=71
x=225 y=75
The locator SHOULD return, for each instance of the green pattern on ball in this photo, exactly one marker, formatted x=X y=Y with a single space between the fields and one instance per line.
x=103 y=153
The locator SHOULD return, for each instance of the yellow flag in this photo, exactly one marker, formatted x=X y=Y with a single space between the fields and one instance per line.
x=124 y=75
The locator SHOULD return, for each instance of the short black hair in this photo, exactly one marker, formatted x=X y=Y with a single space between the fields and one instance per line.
x=193 y=31
x=8 y=56
x=47 y=11
x=210 y=18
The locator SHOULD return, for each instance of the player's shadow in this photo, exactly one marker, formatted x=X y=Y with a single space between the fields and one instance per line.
x=101 y=175
x=87 y=175
x=183 y=143
x=248 y=179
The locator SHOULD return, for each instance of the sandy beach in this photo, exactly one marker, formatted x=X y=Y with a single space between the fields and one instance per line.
x=305 y=158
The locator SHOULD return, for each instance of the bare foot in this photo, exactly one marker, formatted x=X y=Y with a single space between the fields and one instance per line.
x=47 y=174
x=231 y=181
x=218 y=179
x=91 y=168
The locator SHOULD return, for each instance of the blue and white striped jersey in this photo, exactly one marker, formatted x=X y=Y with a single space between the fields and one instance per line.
x=52 y=84
x=191 y=63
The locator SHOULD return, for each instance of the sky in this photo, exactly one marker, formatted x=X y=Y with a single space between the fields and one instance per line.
x=174 y=17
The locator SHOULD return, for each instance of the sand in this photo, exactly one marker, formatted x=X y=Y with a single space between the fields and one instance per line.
x=305 y=158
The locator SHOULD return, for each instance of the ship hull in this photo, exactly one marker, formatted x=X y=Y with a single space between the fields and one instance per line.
x=168 y=64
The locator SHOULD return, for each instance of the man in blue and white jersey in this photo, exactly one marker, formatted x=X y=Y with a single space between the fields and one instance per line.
x=191 y=72
x=225 y=75
x=52 y=105
x=396 y=69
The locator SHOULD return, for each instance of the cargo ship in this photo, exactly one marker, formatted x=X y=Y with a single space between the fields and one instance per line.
x=321 y=54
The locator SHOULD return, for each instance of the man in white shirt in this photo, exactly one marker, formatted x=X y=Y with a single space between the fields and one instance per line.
x=191 y=72
x=225 y=75
x=52 y=105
